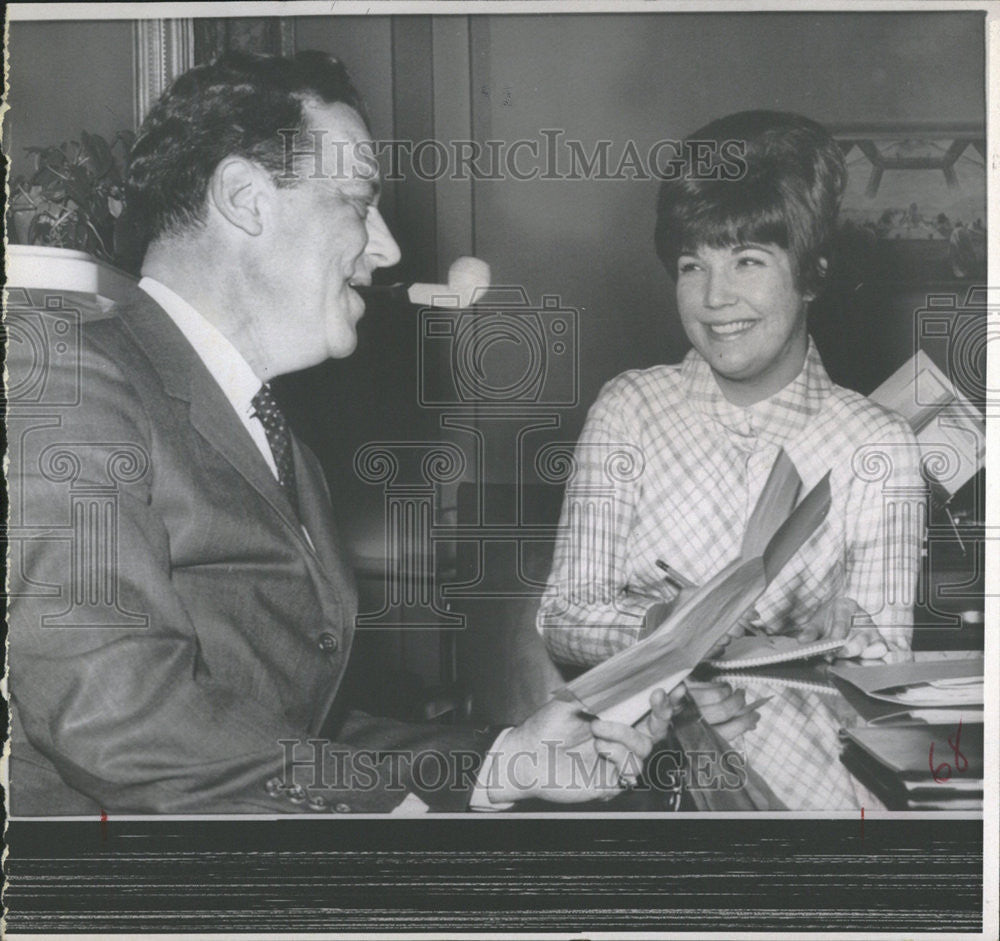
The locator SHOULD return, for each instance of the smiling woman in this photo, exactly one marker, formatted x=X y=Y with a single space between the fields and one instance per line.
x=742 y=311
x=748 y=252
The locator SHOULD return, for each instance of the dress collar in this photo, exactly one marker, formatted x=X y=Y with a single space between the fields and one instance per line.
x=777 y=419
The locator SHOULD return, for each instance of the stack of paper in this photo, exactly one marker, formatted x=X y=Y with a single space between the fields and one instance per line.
x=957 y=692
x=938 y=690
x=921 y=747
x=925 y=767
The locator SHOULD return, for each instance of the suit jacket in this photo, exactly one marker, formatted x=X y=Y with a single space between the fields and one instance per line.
x=174 y=633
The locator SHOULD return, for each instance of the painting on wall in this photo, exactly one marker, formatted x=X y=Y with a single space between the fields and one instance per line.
x=163 y=49
x=915 y=203
x=270 y=34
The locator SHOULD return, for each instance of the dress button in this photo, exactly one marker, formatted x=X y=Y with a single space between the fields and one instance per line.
x=273 y=787
x=328 y=642
x=342 y=808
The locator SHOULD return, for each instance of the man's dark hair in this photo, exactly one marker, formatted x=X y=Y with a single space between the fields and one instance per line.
x=235 y=105
x=781 y=183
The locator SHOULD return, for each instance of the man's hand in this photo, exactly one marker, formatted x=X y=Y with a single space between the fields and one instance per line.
x=722 y=708
x=560 y=754
x=843 y=618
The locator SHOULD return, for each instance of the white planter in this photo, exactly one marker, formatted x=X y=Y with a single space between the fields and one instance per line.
x=65 y=269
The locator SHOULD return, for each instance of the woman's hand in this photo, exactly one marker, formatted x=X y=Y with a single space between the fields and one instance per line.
x=721 y=707
x=843 y=619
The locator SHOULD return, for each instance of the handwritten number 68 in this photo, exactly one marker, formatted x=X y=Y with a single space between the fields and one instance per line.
x=942 y=772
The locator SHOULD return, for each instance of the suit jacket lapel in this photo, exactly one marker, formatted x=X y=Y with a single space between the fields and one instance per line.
x=185 y=377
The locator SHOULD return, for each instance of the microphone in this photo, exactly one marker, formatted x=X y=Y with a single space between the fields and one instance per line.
x=466 y=277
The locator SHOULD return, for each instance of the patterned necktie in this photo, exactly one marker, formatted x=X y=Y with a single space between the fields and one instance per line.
x=278 y=437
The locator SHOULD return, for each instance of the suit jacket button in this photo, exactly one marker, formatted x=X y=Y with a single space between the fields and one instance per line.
x=328 y=642
x=342 y=808
x=273 y=787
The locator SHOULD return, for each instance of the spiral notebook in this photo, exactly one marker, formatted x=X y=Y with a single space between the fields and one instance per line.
x=800 y=675
x=761 y=650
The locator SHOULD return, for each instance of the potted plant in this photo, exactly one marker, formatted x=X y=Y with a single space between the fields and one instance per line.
x=74 y=197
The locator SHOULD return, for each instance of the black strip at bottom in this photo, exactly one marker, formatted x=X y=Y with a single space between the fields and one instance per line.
x=496 y=874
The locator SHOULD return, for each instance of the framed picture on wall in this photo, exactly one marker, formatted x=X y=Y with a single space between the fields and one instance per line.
x=215 y=35
x=915 y=204
x=163 y=49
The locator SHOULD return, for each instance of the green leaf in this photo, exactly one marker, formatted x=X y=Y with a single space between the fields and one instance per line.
x=47 y=178
x=53 y=157
x=100 y=153
x=75 y=196
x=39 y=230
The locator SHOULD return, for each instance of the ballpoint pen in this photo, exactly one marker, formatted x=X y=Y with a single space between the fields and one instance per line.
x=674 y=577
x=756 y=704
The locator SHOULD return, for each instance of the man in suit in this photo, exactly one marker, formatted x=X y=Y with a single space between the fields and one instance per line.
x=181 y=651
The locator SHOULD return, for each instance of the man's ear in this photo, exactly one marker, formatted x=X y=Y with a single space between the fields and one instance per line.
x=236 y=189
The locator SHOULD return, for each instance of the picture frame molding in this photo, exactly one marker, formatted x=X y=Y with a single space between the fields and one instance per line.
x=161 y=50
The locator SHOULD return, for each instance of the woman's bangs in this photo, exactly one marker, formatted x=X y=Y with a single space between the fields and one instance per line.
x=742 y=219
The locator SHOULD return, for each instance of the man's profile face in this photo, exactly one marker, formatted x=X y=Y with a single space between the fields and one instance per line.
x=324 y=235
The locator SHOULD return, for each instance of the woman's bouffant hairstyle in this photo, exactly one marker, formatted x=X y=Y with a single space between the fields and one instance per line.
x=776 y=178
x=236 y=105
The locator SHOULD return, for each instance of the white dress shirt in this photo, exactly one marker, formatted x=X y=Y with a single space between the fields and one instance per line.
x=239 y=383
